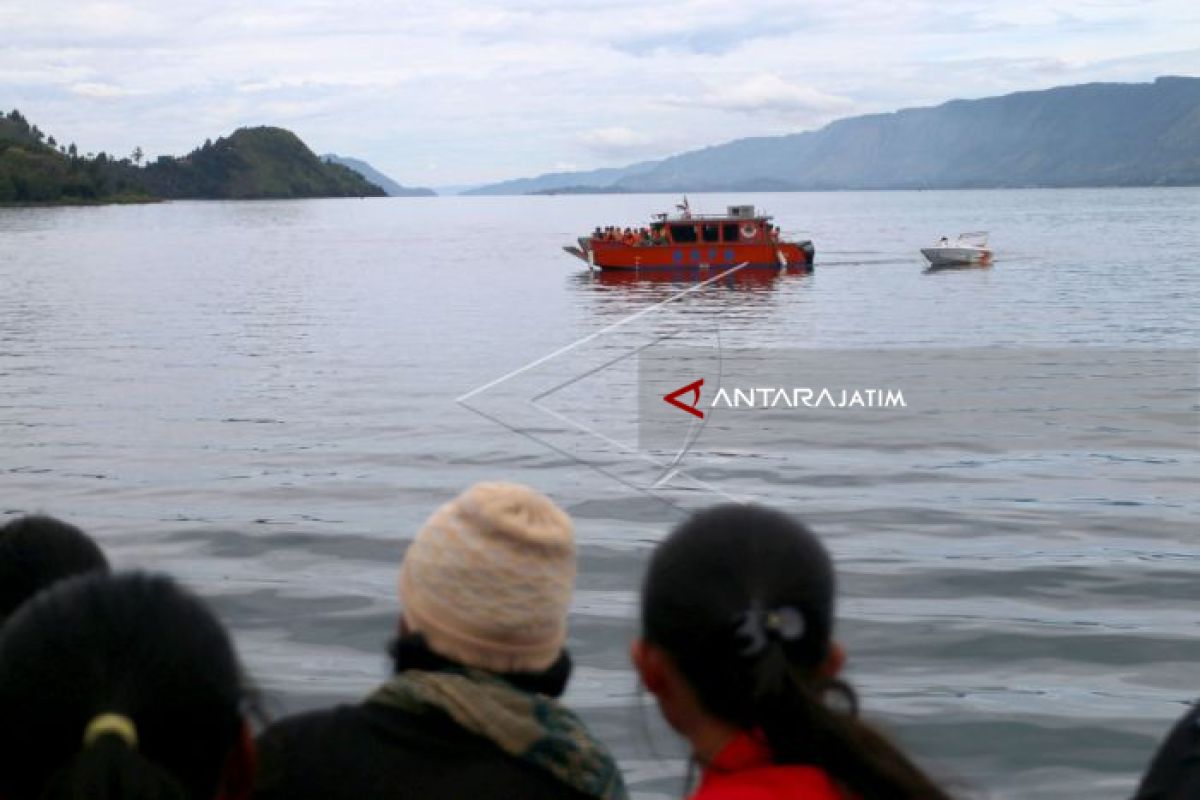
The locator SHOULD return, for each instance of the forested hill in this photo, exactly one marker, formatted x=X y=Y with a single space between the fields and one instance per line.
x=251 y=163
x=254 y=163
x=1100 y=134
x=34 y=168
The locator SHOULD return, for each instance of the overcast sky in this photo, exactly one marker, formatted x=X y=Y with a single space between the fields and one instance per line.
x=446 y=92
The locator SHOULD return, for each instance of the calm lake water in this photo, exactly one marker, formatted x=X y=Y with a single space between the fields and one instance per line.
x=260 y=398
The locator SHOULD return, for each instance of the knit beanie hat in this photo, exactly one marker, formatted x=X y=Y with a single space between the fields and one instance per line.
x=488 y=580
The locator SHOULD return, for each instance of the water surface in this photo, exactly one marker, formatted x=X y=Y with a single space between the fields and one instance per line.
x=259 y=397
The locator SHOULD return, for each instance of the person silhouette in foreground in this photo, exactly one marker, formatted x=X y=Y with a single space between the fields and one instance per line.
x=471 y=710
x=36 y=551
x=1174 y=773
x=121 y=688
x=736 y=646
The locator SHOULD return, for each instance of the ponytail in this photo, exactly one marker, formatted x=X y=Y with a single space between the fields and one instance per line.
x=802 y=727
x=110 y=769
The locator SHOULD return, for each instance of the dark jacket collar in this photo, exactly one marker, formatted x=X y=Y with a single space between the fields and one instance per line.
x=411 y=652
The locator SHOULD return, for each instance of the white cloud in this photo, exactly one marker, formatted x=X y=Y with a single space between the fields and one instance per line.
x=1001 y=15
x=99 y=91
x=767 y=92
x=492 y=89
x=617 y=141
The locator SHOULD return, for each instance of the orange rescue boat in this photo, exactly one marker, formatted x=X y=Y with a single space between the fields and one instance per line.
x=694 y=240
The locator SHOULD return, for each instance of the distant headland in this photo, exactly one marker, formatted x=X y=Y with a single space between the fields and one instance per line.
x=376 y=177
x=1097 y=134
x=250 y=163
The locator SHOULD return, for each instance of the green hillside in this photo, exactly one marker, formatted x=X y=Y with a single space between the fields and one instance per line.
x=251 y=163
x=254 y=163
x=34 y=168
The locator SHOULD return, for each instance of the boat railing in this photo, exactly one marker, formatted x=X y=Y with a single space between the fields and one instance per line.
x=977 y=238
x=714 y=218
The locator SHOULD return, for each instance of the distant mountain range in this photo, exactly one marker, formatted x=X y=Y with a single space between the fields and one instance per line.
x=376 y=177
x=1098 y=134
x=250 y=163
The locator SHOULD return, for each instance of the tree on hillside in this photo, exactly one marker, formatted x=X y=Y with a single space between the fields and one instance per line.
x=137 y=155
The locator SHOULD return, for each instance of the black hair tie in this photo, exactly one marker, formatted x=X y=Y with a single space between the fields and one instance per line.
x=758 y=627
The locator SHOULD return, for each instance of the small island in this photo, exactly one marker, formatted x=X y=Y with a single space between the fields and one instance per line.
x=249 y=164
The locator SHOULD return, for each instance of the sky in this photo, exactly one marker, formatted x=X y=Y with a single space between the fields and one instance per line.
x=442 y=92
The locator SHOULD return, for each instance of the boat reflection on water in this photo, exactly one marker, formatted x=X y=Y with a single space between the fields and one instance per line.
x=937 y=269
x=738 y=297
x=746 y=278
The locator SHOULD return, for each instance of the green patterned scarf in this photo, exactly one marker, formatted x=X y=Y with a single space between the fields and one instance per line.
x=531 y=727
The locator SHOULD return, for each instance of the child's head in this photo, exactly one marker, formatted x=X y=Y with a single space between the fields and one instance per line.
x=36 y=551
x=120 y=687
x=737 y=637
x=740 y=599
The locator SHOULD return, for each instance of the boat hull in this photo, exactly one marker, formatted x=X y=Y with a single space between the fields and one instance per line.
x=947 y=256
x=620 y=256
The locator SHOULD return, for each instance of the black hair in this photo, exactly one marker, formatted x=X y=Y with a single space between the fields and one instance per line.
x=36 y=551
x=741 y=598
x=135 y=645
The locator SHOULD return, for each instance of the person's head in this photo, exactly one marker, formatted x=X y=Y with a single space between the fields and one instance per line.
x=120 y=686
x=36 y=551
x=737 y=636
x=487 y=581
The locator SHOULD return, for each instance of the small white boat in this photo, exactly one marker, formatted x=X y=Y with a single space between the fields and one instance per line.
x=968 y=248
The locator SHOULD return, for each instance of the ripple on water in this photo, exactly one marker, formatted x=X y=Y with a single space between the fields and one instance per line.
x=260 y=398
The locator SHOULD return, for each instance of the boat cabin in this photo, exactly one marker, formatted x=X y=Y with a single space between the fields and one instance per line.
x=739 y=225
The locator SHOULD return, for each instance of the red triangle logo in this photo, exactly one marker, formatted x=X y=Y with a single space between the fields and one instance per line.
x=694 y=389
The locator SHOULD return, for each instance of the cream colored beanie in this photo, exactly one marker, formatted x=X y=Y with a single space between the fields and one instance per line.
x=488 y=580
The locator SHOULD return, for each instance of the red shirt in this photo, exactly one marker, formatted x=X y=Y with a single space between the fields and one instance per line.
x=743 y=771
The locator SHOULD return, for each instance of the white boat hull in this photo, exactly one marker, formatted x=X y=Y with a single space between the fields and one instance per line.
x=945 y=256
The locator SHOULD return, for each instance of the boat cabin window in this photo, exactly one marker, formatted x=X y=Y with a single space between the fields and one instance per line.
x=730 y=231
x=710 y=231
x=683 y=233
